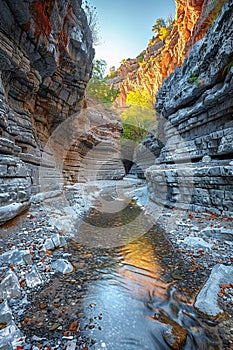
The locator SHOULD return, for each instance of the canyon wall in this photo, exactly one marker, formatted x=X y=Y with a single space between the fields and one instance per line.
x=161 y=57
x=195 y=169
x=92 y=150
x=46 y=59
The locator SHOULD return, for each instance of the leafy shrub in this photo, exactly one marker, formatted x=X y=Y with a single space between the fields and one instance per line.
x=112 y=73
x=139 y=98
x=194 y=78
x=140 y=57
x=163 y=33
x=139 y=117
x=162 y=27
x=98 y=87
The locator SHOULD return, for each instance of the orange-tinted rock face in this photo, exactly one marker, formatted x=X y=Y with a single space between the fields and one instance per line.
x=41 y=11
x=195 y=125
x=45 y=63
x=192 y=20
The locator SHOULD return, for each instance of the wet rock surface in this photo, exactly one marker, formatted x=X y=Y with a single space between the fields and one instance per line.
x=181 y=226
x=48 y=305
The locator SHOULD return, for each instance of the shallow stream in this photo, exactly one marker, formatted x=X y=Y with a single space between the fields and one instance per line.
x=122 y=294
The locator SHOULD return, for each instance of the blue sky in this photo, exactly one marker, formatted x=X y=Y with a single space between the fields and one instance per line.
x=126 y=26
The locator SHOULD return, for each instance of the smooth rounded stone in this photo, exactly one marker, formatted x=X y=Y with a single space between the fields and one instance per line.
x=62 y=265
x=206 y=159
x=207 y=299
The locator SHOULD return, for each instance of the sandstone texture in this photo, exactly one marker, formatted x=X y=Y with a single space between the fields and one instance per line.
x=46 y=59
x=93 y=149
x=194 y=169
x=192 y=19
x=45 y=62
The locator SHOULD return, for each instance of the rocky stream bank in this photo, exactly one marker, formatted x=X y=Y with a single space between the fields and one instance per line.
x=43 y=280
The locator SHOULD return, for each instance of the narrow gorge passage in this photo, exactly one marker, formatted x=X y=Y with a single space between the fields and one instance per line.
x=116 y=188
x=121 y=295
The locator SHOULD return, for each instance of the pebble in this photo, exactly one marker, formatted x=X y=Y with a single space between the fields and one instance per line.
x=38 y=232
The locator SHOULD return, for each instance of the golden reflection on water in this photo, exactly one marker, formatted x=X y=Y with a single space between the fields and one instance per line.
x=141 y=270
x=113 y=229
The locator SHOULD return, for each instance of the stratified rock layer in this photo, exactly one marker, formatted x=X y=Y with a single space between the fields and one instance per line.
x=92 y=149
x=192 y=19
x=45 y=62
x=195 y=169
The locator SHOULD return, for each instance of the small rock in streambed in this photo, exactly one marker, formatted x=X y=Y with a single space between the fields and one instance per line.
x=196 y=242
x=33 y=278
x=63 y=266
x=207 y=299
x=54 y=326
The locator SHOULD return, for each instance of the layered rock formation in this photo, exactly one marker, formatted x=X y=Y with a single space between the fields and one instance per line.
x=45 y=61
x=192 y=20
x=125 y=79
x=195 y=168
x=92 y=151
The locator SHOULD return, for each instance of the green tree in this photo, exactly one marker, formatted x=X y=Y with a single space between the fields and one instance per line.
x=98 y=87
x=139 y=98
x=125 y=60
x=160 y=22
x=99 y=69
x=112 y=73
x=137 y=120
x=162 y=28
x=139 y=117
x=140 y=57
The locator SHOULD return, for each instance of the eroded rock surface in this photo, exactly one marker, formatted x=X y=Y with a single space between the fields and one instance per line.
x=93 y=149
x=45 y=62
x=162 y=56
x=194 y=169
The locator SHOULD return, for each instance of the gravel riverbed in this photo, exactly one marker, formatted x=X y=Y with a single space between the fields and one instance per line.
x=33 y=252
